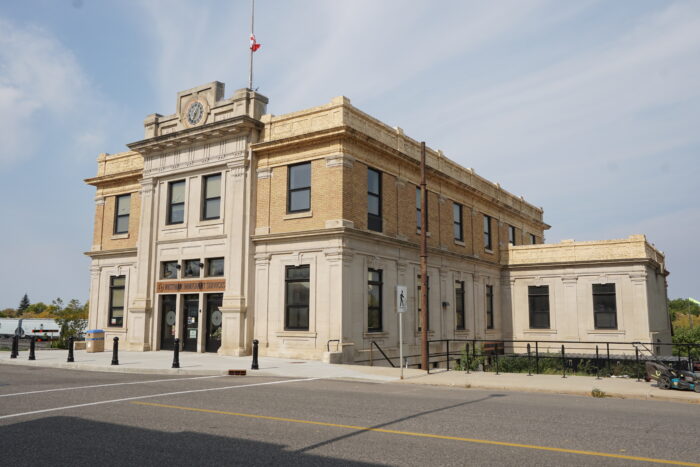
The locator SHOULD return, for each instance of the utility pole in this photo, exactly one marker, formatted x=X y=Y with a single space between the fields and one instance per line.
x=423 y=261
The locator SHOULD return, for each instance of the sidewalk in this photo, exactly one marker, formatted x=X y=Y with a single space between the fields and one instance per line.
x=212 y=364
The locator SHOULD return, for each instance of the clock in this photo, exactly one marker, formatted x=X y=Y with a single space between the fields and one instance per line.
x=195 y=113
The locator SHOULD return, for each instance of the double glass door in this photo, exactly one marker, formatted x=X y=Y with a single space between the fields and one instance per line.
x=190 y=315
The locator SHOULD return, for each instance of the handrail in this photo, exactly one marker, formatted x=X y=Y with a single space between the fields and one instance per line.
x=383 y=354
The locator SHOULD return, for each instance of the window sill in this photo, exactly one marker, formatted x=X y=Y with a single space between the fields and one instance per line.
x=208 y=222
x=430 y=333
x=427 y=234
x=298 y=215
x=460 y=243
x=540 y=331
x=606 y=331
x=120 y=236
x=181 y=225
x=462 y=332
x=375 y=334
x=489 y=251
x=305 y=334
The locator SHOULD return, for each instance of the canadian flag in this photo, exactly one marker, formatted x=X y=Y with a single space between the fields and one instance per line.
x=254 y=45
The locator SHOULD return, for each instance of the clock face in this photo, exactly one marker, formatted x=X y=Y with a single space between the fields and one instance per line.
x=195 y=113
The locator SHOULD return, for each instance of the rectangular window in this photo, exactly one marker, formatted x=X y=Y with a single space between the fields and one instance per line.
x=169 y=270
x=533 y=239
x=117 y=284
x=419 y=218
x=604 y=306
x=192 y=268
x=299 y=187
x=460 y=321
x=457 y=221
x=374 y=200
x=121 y=214
x=511 y=235
x=215 y=267
x=489 y=307
x=538 y=298
x=296 y=298
x=487 y=233
x=176 y=202
x=418 y=304
x=211 y=199
x=374 y=300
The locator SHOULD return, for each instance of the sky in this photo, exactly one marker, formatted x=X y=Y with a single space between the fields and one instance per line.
x=589 y=109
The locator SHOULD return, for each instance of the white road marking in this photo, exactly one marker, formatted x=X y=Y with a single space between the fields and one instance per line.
x=54 y=409
x=108 y=385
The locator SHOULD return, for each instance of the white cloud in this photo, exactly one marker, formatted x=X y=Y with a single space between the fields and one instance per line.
x=39 y=79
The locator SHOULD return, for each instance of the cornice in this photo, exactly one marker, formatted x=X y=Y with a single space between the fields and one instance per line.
x=117 y=177
x=195 y=134
x=111 y=253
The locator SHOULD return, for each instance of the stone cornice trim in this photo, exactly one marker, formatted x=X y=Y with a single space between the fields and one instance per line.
x=111 y=253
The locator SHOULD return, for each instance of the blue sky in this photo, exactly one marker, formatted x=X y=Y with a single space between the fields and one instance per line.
x=590 y=109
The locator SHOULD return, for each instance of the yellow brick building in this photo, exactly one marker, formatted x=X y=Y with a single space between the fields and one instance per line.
x=296 y=229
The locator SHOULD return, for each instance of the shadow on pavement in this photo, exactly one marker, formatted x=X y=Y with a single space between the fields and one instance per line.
x=398 y=420
x=75 y=441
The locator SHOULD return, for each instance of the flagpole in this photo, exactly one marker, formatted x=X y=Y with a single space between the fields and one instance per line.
x=252 y=32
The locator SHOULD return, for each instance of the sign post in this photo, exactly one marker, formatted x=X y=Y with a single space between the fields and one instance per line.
x=401 y=306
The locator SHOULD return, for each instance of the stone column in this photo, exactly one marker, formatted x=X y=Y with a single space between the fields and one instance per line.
x=141 y=311
x=99 y=218
x=94 y=311
x=234 y=339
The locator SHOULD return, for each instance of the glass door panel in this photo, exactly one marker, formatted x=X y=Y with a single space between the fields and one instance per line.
x=191 y=322
x=214 y=319
x=168 y=321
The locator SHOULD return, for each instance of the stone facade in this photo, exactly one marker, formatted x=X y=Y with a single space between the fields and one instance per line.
x=261 y=242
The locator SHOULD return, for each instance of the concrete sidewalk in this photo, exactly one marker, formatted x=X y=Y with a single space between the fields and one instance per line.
x=212 y=364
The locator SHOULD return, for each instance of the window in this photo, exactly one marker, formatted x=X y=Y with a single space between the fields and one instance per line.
x=511 y=235
x=299 y=187
x=538 y=299
x=192 y=268
x=418 y=304
x=296 y=298
x=459 y=306
x=374 y=300
x=418 y=209
x=374 y=200
x=604 y=306
x=489 y=307
x=211 y=199
x=176 y=202
x=487 y=232
x=169 y=270
x=457 y=220
x=215 y=267
x=121 y=214
x=533 y=239
x=117 y=284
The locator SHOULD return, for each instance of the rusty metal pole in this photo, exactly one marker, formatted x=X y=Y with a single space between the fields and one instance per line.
x=423 y=261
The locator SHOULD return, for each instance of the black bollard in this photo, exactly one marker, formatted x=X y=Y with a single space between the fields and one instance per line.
x=255 y=366
x=597 y=364
x=529 y=361
x=32 y=348
x=70 y=350
x=15 y=346
x=176 y=354
x=115 y=351
x=563 y=362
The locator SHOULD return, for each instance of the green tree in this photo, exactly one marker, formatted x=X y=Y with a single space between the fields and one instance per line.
x=687 y=336
x=684 y=306
x=23 y=304
x=8 y=313
x=71 y=318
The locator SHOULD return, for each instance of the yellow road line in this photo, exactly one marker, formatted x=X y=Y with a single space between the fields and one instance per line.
x=426 y=435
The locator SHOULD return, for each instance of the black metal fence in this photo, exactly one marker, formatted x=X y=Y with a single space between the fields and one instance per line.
x=599 y=358
x=595 y=358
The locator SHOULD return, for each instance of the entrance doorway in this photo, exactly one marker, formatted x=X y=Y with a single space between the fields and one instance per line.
x=214 y=321
x=191 y=322
x=168 y=321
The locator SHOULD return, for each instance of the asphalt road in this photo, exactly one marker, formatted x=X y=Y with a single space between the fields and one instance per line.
x=73 y=417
